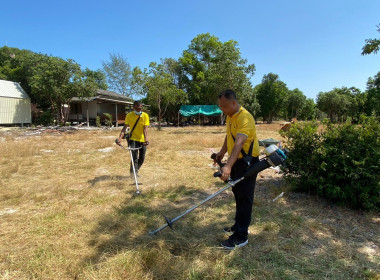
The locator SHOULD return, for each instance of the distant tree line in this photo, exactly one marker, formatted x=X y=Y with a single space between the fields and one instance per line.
x=204 y=69
x=208 y=66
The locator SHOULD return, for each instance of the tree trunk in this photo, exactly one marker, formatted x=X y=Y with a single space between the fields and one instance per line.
x=159 y=114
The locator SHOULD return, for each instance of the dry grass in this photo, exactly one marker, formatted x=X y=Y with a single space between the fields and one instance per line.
x=68 y=211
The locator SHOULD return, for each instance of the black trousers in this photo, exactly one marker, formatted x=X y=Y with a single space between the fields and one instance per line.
x=244 y=193
x=137 y=155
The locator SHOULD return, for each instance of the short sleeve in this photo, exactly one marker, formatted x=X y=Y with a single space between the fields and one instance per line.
x=244 y=125
x=146 y=119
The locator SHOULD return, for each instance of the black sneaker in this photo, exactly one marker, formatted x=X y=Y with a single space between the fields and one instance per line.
x=235 y=241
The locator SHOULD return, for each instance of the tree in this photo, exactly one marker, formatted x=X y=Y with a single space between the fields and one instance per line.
x=372 y=45
x=248 y=100
x=355 y=101
x=374 y=83
x=209 y=66
x=54 y=81
x=295 y=103
x=159 y=87
x=98 y=77
x=272 y=96
x=329 y=102
x=309 y=110
x=342 y=103
x=338 y=103
x=15 y=65
x=172 y=67
x=119 y=74
x=372 y=103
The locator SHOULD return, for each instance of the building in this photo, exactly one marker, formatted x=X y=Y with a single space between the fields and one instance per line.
x=15 y=107
x=88 y=108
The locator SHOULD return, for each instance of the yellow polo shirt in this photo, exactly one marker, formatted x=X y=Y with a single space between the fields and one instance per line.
x=138 y=133
x=242 y=122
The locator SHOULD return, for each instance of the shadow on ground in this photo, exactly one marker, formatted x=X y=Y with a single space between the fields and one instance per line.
x=106 y=178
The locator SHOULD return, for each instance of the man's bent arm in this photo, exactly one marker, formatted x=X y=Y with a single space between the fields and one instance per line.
x=122 y=132
x=239 y=142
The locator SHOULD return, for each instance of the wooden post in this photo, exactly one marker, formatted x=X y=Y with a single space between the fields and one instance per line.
x=116 y=116
x=87 y=116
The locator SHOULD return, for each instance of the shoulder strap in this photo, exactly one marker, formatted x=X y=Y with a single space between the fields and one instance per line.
x=242 y=150
x=135 y=125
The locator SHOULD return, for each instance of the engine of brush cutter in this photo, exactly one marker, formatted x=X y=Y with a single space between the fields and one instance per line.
x=274 y=156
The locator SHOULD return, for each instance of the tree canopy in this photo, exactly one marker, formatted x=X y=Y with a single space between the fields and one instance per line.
x=272 y=96
x=159 y=85
x=119 y=74
x=372 y=45
x=209 y=66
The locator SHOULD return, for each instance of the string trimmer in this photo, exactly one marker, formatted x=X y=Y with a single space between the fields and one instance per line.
x=132 y=162
x=274 y=157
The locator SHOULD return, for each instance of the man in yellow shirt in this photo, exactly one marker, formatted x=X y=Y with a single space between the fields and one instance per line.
x=138 y=121
x=242 y=146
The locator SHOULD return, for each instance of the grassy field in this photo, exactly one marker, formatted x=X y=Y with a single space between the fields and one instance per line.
x=68 y=210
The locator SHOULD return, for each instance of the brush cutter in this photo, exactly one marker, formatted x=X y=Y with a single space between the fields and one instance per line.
x=274 y=157
x=132 y=162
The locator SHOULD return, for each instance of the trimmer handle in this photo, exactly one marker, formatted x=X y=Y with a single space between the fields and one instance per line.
x=218 y=161
x=217 y=174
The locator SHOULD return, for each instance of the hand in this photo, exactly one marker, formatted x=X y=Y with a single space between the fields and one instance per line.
x=146 y=143
x=218 y=157
x=226 y=171
x=117 y=141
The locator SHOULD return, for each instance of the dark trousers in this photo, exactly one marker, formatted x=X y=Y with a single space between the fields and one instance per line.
x=244 y=193
x=137 y=155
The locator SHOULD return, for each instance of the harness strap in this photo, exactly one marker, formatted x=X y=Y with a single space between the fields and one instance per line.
x=243 y=152
x=135 y=125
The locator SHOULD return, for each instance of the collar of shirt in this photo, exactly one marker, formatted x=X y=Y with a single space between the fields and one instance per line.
x=234 y=116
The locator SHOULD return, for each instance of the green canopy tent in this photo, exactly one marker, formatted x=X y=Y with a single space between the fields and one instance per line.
x=199 y=110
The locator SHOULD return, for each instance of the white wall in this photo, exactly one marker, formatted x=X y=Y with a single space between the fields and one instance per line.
x=15 y=110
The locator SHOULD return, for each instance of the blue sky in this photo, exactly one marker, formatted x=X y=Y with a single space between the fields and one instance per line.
x=312 y=45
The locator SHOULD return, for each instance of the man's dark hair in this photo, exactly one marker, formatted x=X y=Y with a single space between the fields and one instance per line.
x=228 y=94
x=137 y=103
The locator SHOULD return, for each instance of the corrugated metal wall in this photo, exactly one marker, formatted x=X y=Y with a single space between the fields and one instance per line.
x=15 y=110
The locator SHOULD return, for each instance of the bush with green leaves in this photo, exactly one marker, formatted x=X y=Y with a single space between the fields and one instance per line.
x=108 y=119
x=46 y=118
x=340 y=163
x=97 y=121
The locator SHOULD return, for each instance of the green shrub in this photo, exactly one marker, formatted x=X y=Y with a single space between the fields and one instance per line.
x=46 y=118
x=341 y=163
x=108 y=119
x=97 y=121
